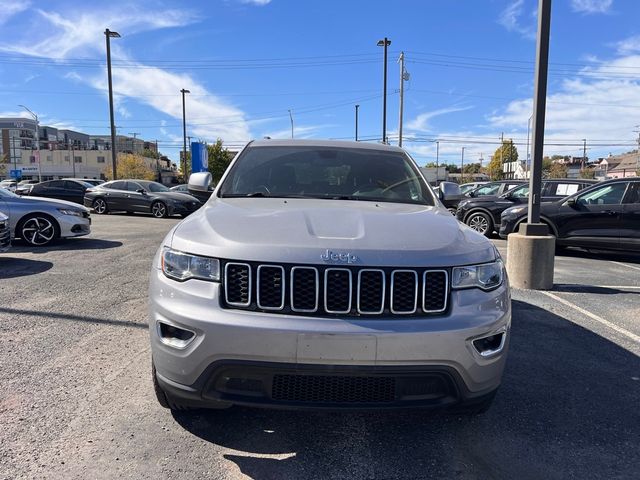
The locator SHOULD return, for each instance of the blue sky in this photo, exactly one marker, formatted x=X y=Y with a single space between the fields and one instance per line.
x=247 y=62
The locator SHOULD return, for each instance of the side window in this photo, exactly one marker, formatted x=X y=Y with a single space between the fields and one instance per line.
x=487 y=190
x=56 y=184
x=133 y=186
x=119 y=185
x=633 y=194
x=509 y=187
x=606 y=195
x=521 y=192
x=73 y=186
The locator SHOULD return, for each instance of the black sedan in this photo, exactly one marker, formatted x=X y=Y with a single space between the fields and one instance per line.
x=483 y=213
x=69 y=190
x=603 y=216
x=139 y=196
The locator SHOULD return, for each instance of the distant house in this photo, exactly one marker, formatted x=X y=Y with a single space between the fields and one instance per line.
x=619 y=166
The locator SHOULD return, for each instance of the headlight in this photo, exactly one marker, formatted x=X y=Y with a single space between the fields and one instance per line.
x=66 y=211
x=514 y=210
x=486 y=276
x=182 y=266
x=3 y=224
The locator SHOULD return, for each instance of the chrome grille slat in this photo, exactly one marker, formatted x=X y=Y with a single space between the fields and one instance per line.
x=329 y=290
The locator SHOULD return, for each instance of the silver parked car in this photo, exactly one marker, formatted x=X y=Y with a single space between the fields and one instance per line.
x=326 y=274
x=39 y=221
x=5 y=233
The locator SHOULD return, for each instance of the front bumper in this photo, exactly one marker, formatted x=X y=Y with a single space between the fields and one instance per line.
x=433 y=350
x=73 y=226
x=184 y=208
x=5 y=239
x=507 y=225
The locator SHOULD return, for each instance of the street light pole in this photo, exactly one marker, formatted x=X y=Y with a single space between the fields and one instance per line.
x=401 y=60
x=357 y=107
x=35 y=117
x=109 y=35
x=528 y=160
x=384 y=43
x=437 y=160
x=584 y=152
x=184 y=136
x=462 y=166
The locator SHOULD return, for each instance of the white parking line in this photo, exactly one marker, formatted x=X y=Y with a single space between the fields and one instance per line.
x=625 y=265
x=595 y=317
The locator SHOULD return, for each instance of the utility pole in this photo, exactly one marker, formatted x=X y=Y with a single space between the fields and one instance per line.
x=384 y=43
x=584 y=152
x=35 y=117
x=528 y=145
x=109 y=35
x=462 y=167
x=403 y=77
x=291 y=118
x=357 y=107
x=184 y=136
x=134 y=134
x=437 y=160
x=73 y=158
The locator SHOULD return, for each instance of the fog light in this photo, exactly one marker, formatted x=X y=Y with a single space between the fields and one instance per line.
x=490 y=345
x=175 y=336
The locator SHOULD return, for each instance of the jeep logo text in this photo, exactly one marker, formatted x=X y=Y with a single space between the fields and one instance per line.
x=338 y=257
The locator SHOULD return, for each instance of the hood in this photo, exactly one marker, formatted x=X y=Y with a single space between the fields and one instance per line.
x=303 y=230
x=53 y=202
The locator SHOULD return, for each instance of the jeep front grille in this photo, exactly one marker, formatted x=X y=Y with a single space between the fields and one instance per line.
x=328 y=290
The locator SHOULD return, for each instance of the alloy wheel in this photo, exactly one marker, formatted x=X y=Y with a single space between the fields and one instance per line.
x=159 y=210
x=100 y=206
x=479 y=223
x=38 y=231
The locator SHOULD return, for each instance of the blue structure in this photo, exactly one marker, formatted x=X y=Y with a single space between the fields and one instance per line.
x=199 y=157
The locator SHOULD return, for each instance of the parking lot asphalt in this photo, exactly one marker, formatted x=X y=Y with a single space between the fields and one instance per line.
x=77 y=401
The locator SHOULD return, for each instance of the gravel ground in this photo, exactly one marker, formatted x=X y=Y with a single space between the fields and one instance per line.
x=77 y=402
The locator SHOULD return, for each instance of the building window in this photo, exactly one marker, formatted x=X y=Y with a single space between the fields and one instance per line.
x=77 y=159
x=49 y=158
x=100 y=159
x=66 y=158
x=32 y=159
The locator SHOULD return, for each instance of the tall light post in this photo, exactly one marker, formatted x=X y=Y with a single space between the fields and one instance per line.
x=184 y=136
x=291 y=118
x=357 y=107
x=384 y=43
x=528 y=144
x=108 y=36
x=437 y=160
x=404 y=76
x=462 y=166
x=35 y=117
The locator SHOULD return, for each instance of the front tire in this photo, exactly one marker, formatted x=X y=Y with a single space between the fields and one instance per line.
x=100 y=206
x=480 y=222
x=38 y=230
x=159 y=210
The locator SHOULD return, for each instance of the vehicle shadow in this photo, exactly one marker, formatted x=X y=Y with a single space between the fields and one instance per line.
x=73 y=318
x=599 y=255
x=21 y=267
x=578 y=288
x=20 y=246
x=567 y=408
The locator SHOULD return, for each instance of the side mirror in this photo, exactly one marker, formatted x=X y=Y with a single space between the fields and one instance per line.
x=199 y=181
x=141 y=190
x=471 y=194
x=449 y=191
x=572 y=202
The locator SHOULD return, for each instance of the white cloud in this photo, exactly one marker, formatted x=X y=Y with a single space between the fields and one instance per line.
x=10 y=8
x=421 y=122
x=259 y=3
x=510 y=18
x=591 y=6
x=629 y=45
x=301 y=131
x=60 y=35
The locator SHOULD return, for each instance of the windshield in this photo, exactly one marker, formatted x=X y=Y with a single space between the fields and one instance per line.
x=326 y=172
x=156 y=187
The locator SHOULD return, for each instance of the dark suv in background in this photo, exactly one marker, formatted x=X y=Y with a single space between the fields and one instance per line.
x=489 y=188
x=483 y=213
x=603 y=216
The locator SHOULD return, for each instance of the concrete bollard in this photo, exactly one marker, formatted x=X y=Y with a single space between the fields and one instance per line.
x=530 y=261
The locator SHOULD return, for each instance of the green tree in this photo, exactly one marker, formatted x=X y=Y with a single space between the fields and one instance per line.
x=507 y=152
x=588 y=173
x=219 y=160
x=472 y=168
x=452 y=168
x=129 y=165
x=431 y=165
x=557 y=170
x=150 y=153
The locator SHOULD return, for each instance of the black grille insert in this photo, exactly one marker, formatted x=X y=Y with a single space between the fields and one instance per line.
x=436 y=289
x=404 y=291
x=304 y=289
x=270 y=287
x=238 y=284
x=333 y=389
x=337 y=290
x=371 y=285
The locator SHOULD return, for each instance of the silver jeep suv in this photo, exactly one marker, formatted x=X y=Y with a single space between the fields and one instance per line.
x=328 y=275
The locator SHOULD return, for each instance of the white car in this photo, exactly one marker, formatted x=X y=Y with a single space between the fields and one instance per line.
x=9 y=185
x=5 y=233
